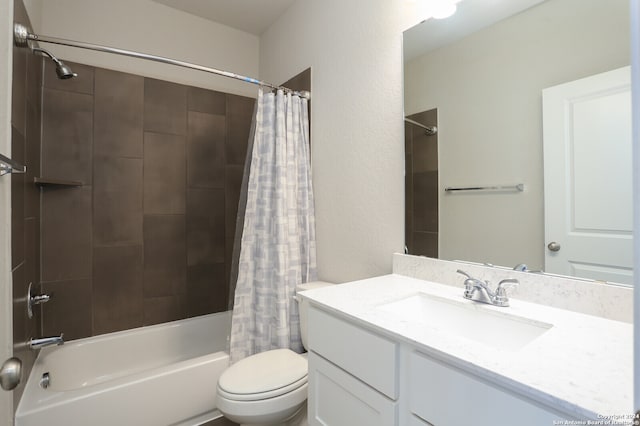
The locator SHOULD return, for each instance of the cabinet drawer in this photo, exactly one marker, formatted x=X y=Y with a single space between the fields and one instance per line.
x=336 y=398
x=445 y=396
x=367 y=356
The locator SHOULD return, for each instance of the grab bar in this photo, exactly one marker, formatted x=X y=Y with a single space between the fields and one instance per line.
x=7 y=165
x=518 y=187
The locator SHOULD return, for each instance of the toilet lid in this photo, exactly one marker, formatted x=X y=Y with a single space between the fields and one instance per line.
x=264 y=373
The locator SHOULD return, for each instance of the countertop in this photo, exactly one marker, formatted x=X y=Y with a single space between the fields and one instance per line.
x=582 y=366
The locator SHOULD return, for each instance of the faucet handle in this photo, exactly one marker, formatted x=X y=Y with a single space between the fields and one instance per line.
x=509 y=282
x=471 y=282
x=501 y=298
x=468 y=283
x=460 y=271
x=35 y=299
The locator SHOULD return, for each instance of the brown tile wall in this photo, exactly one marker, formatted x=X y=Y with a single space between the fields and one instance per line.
x=421 y=186
x=301 y=82
x=146 y=237
x=26 y=110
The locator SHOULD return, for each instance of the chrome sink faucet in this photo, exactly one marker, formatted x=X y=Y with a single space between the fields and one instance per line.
x=480 y=291
x=522 y=267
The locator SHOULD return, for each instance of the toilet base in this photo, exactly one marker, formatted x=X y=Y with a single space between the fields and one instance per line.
x=299 y=418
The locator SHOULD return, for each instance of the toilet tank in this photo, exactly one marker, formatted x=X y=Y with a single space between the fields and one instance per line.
x=303 y=306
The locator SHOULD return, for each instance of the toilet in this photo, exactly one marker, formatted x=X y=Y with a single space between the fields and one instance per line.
x=269 y=388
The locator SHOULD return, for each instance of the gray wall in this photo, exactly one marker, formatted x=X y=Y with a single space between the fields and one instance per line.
x=150 y=27
x=354 y=48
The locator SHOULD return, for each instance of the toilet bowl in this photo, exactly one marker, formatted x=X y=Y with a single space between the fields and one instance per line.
x=269 y=388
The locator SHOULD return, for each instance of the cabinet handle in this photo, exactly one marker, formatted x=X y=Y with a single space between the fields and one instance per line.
x=423 y=420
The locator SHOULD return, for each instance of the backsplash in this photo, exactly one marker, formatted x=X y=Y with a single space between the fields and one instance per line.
x=587 y=297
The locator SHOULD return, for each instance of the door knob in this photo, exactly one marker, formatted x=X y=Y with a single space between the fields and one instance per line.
x=553 y=246
x=10 y=374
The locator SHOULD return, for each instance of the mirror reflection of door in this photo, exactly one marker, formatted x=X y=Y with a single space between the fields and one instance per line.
x=587 y=177
x=421 y=183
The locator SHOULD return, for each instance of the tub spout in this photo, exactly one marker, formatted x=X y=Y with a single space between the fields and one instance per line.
x=46 y=341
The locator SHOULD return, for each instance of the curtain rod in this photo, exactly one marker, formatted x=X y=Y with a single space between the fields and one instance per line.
x=22 y=36
x=429 y=130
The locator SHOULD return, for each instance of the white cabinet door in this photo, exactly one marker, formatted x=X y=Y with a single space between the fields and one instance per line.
x=365 y=355
x=587 y=177
x=338 y=399
x=444 y=396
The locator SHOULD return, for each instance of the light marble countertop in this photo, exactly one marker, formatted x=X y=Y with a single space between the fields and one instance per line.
x=582 y=366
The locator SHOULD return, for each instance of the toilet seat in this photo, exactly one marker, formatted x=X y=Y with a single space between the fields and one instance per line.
x=262 y=395
x=263 y=376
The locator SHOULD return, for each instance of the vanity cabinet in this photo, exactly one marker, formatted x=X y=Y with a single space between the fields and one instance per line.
x=338 y=398
x=352 y=374
x=442 y=395
x=360 y=378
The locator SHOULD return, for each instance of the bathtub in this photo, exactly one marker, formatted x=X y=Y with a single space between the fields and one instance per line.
x=159 y=375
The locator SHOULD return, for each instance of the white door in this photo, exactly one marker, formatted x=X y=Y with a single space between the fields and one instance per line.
x=635 y=60
x=588 y=176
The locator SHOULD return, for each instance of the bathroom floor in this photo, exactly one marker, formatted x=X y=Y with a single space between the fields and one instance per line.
x=220 y=422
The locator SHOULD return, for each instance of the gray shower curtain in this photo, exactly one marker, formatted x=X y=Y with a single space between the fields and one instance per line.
x=278 y=246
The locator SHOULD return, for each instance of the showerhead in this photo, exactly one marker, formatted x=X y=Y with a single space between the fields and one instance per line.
x=63 y=71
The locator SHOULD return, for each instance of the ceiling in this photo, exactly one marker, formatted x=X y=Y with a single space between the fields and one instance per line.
x=252 y=16
x=472 y=16
x=255 y=16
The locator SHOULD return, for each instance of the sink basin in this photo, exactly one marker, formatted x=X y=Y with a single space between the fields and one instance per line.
x=500 y=330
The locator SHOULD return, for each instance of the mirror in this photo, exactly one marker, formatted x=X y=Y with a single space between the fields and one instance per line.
x=479 y=77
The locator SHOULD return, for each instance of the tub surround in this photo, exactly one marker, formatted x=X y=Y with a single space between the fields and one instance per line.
x=421 y=185
x=581 y=366
x=160 y=165
x=597 y=298
x=26 y=113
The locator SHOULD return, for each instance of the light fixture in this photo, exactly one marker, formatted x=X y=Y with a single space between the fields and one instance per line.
x=438 y=9
x=444 y=8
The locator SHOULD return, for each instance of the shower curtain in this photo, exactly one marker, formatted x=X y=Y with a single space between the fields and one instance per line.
x=278 y=245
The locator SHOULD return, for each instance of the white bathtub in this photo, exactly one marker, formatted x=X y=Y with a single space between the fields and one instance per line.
x=159 y=375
